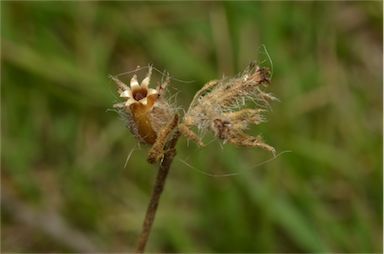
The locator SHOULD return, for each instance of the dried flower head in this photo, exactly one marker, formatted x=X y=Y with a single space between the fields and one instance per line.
x=219 y=107
x=145 y=109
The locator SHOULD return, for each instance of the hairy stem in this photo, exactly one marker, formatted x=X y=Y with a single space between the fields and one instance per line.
x=164 y=167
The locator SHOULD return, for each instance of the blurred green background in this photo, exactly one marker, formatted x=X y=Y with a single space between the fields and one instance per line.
x=63 y=182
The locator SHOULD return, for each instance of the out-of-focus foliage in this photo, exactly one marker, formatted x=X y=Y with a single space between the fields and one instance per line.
x=64 y=185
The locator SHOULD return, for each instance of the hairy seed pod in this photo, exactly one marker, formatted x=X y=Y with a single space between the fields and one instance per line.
x=145 y=109
x=220 y=107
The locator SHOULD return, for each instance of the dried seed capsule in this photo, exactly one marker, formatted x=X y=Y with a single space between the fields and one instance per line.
x=145 y=110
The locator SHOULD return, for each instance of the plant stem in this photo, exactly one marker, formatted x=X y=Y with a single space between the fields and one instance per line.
x=157 y=190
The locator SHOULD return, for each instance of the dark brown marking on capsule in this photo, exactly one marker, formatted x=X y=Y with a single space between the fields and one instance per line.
x=139 y=93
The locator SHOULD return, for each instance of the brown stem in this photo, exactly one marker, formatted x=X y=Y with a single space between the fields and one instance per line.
x=157 y=190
